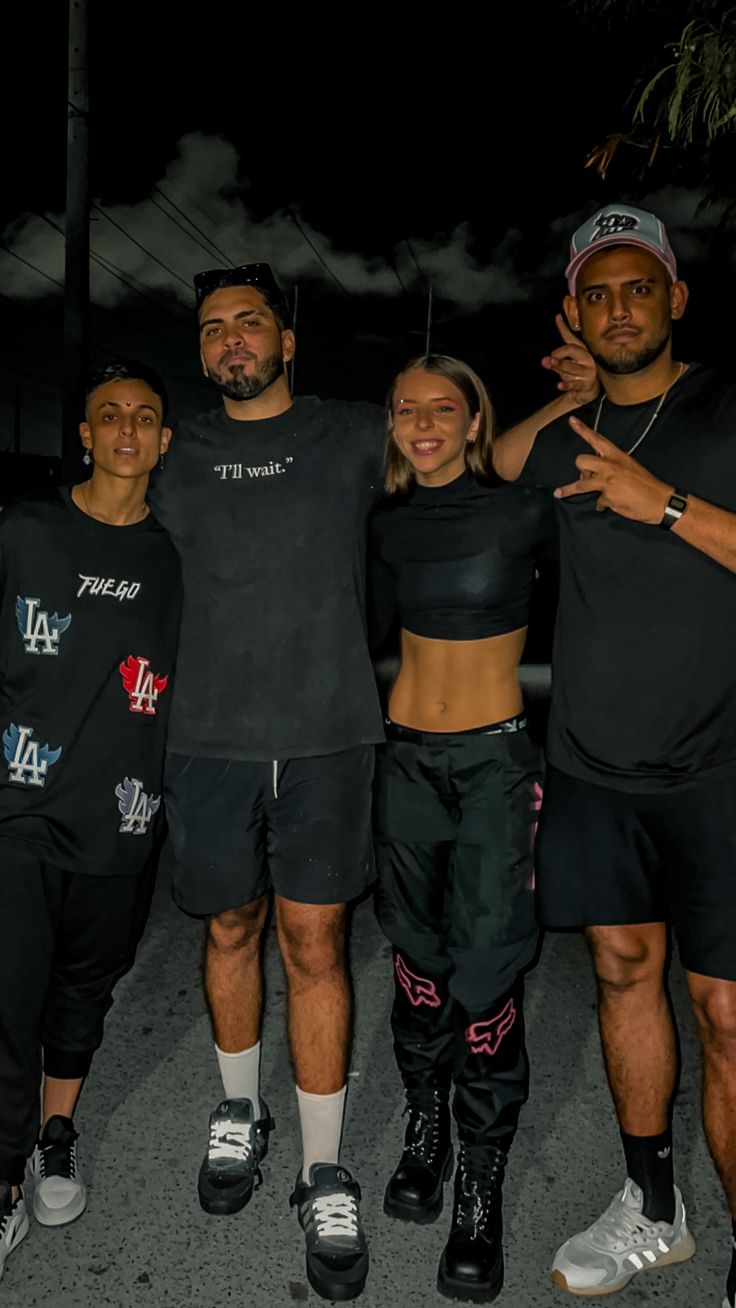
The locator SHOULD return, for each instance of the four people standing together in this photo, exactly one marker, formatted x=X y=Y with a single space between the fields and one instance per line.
x=272 y=503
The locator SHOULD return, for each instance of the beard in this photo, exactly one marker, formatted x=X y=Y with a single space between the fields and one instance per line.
x=237 y=384
x=628 y=361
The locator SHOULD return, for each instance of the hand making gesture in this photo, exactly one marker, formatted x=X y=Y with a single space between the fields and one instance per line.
x=621 y=483
x=574 y=365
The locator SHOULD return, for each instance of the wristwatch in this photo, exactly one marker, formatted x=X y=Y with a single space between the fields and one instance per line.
x=674 y=509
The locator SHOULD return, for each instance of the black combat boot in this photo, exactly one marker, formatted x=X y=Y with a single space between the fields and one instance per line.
x=471 y=1267
x=414 y=1193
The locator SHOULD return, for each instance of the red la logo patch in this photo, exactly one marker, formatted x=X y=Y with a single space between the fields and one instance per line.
x=142 y=685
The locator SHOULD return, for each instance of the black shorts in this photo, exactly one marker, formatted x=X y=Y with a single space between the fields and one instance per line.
x=455 y=817
x=300 y=826
x=613 y=858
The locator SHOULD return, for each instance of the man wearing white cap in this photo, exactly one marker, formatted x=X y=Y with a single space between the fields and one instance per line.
x=638 y=827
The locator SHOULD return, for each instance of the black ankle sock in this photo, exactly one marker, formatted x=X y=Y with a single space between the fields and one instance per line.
x=731 y=1279
x=649 y=1164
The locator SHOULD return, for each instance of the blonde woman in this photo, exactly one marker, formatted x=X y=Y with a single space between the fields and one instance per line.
x=454 y=552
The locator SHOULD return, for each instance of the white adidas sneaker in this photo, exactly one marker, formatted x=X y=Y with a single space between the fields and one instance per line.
x=13 y=1223
x=619 y=1244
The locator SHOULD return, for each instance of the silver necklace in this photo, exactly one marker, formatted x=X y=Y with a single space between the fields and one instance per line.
x=141 y=512
x=655 y=415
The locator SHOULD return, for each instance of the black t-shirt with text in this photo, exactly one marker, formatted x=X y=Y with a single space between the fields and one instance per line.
x=644 y=665
x=269 y=517
x=89 y=616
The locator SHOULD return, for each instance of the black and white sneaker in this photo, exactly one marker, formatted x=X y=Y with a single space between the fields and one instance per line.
x=337 y=1252
x=13 y=1222
x=60 y=1195
x=232 y=1164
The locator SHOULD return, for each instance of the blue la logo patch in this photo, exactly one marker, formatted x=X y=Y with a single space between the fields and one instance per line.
x=40 y=631
x=136 y=806
x=28 y=762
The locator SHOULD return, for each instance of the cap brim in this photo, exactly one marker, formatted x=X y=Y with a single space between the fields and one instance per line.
x=573 y=268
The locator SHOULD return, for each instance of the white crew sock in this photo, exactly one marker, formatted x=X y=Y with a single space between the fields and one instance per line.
x=241 y=1074
x=321 y=1118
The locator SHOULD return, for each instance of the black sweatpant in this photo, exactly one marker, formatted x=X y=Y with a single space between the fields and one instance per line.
x=66 y=938
x=455 y=818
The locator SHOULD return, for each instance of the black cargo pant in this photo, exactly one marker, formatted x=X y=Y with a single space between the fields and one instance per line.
x=66 y=938
x=455 y=818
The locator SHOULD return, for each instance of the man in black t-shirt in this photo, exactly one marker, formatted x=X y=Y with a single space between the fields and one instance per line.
x=90 y=598
x=639 y=818
x=268 y=782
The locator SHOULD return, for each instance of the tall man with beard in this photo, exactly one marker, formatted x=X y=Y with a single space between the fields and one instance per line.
x=271 y=739
x=638 y=826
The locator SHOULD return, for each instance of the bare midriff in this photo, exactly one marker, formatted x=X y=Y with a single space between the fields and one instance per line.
x=453 y=685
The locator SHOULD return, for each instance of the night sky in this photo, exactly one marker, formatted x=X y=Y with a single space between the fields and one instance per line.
x=365 y=156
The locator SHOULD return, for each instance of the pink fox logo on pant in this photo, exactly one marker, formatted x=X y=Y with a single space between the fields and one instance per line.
x=419 y=989
x=486 y=1037
x=536 y=804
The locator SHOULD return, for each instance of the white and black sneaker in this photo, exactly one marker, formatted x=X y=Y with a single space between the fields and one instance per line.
x=13 y=1222
x=232 y=1165
x=620 y=1244
x=337 y=1252
x=59 y=1196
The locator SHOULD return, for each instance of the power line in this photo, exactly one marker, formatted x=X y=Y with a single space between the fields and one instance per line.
x=181 y=226
x=148 y=253
x=28 y=264
x=397 y=275
x=191 y=221
x=313 y=247
x=32 y=376
x=113 y=269
x=204 y=214
x=126 y=278
x=131 y=327
x=408 y=245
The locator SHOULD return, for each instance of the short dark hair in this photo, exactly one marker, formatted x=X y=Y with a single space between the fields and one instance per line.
x=128 y=370
x=259 y=275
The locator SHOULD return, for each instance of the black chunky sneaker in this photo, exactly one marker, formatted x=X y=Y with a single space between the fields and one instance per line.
x=337 y=1253
x=414 y=1192
x=60 y=1195
x=471 y=1267
x=232 y=1164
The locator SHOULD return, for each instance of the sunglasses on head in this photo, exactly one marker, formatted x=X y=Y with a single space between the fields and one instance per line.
x=248 y=274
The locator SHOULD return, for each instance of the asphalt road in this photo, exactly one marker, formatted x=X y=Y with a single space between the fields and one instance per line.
x=143 y=1123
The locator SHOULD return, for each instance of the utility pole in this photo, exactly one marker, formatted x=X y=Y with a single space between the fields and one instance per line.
x=76 y=267
x=16 y=420
x=295 y=311
x=428 y=339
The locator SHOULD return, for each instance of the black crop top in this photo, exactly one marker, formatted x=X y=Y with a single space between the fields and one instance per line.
x=456 y=562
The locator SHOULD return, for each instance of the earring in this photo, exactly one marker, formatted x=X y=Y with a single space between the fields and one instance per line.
x=87 y=458
x=161 y=459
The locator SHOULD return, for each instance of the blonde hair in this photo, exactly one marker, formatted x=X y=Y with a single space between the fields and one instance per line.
x=399 y=472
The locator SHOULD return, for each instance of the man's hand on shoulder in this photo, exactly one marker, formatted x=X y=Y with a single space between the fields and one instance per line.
x=578 y=384
x=574 y=365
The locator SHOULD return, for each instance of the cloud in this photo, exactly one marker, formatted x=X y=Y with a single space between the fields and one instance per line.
x=690 y=217
x=144 y=243
x=203 y=180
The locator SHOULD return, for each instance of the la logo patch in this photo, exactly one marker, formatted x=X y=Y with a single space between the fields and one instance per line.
x=142 y=685
x=28 y=762
x=136 y=806
x=39 y=631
